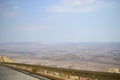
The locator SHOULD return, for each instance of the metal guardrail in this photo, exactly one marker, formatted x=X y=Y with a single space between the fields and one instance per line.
x=56 y=73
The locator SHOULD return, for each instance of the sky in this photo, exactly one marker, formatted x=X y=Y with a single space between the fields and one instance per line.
x=50 y=21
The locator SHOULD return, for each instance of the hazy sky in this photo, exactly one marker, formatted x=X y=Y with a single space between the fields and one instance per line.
x=60 y=20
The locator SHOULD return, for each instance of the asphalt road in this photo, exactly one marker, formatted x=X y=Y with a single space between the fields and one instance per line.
x=10 y=74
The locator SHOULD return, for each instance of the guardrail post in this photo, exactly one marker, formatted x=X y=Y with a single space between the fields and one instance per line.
x=60 y=75
x=45 y=71
x=78 y=77
x=69 y=77
x=53 y=73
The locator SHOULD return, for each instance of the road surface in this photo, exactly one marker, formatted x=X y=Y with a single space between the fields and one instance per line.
x=10 y=74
